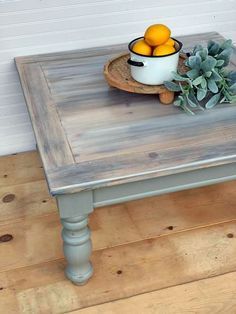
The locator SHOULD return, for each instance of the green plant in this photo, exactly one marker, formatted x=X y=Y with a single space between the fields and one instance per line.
x=207 y=82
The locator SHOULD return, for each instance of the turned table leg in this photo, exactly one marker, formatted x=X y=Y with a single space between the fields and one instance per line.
x=77 y=248
x=74 y=211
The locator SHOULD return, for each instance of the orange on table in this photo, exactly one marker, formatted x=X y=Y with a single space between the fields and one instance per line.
x=142 y=48
x=170 y=42
x=157 y=34
x=163 y=50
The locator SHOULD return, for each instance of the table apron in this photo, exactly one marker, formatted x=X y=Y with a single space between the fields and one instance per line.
x=161 y=185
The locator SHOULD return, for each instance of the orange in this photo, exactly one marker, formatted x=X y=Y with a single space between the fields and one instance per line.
x=163 y=50
x=170 y=42
x=157 y=34
x=142 y=48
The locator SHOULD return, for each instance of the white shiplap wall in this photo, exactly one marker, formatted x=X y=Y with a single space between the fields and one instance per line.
x=39 y=26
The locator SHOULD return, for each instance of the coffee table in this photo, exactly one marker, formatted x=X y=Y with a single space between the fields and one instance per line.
x=102 y=146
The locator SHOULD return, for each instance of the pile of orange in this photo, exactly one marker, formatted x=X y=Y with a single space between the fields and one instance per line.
x=156 y=42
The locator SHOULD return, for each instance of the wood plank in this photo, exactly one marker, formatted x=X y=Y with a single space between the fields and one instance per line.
x=38 y=240
x=32 y=219
x=105 y=139
x=127 y=270
x=212 y=295
x=8 y=301
x=53 y=146
x=183 y=210
x=20 y=168
x=117 y=171
x=25 y=200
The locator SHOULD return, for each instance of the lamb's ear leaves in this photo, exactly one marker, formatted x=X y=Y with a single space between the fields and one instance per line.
x=194 y=62
x=216 y=76
x=197 y=48
x=201 y=93
x=204 y=83
x=232 y=89
x=172 y=86
x=208 y=74
x=225 y=55
x=212 y=86
x=178 y=102
x=232 y=76
x=213 y=101
x=208 y=64
x=214 y=49
x=182 y=78
x=192 y=74
x=226 y=44
x=198 y=80
x=220 y=63
x=191 y=102
x=210 y=44
x=203 y=53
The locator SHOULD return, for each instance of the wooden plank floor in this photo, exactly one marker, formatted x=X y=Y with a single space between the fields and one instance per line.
x=174 y=253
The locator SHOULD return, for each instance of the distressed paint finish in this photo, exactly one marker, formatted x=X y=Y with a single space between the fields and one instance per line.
x=77 y=248
x=101 y=146
x=107 y=136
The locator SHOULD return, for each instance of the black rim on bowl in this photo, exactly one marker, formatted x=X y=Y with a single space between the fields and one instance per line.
x=139 y=54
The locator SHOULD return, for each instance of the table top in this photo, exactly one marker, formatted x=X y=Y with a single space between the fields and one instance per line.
x=90 y=135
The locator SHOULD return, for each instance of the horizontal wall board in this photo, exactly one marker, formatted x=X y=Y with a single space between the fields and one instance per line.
x=12 y=110
x=37 y=5
x=115 y=29
x=33 y=26
x=67 y=24
x=13 y=119
x=16 y=129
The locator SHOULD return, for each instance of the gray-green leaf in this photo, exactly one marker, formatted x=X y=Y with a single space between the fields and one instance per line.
x=214 y=49
x=203 y=53
x=197 y=48
x=210 y=44
x=227 y=95
x=191 y=102
x=232 y=88
x=176 y=76
x=172 y=86
x=198 y=80
x=225 y=55
x=220 y=63
x=216 y=76
x=213 y=101
x=226 y=44
x=201 y=93
x=208 y=64
x=194 y=62
x=212 y=86
x=232 y=76
x=203 y=83
x=178 y=102
x=192 y=74
x=208 y=73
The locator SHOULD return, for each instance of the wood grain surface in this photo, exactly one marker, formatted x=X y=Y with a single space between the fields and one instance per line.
x=213 y=295
x=100 y=134
x=190 y=232
x=126 y=270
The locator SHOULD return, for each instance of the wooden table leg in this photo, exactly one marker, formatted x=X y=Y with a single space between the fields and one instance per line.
x=77 y=248
x=77 y=244
x=167 y=98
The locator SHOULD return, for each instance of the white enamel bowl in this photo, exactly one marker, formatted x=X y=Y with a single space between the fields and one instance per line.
x=153 y=70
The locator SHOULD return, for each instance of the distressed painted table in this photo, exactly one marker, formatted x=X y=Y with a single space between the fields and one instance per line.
x=102 y=146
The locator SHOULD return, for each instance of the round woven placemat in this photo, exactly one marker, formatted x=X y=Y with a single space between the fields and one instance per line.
x=117 y=74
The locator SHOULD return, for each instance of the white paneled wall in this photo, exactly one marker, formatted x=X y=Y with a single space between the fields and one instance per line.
x=39 y=26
